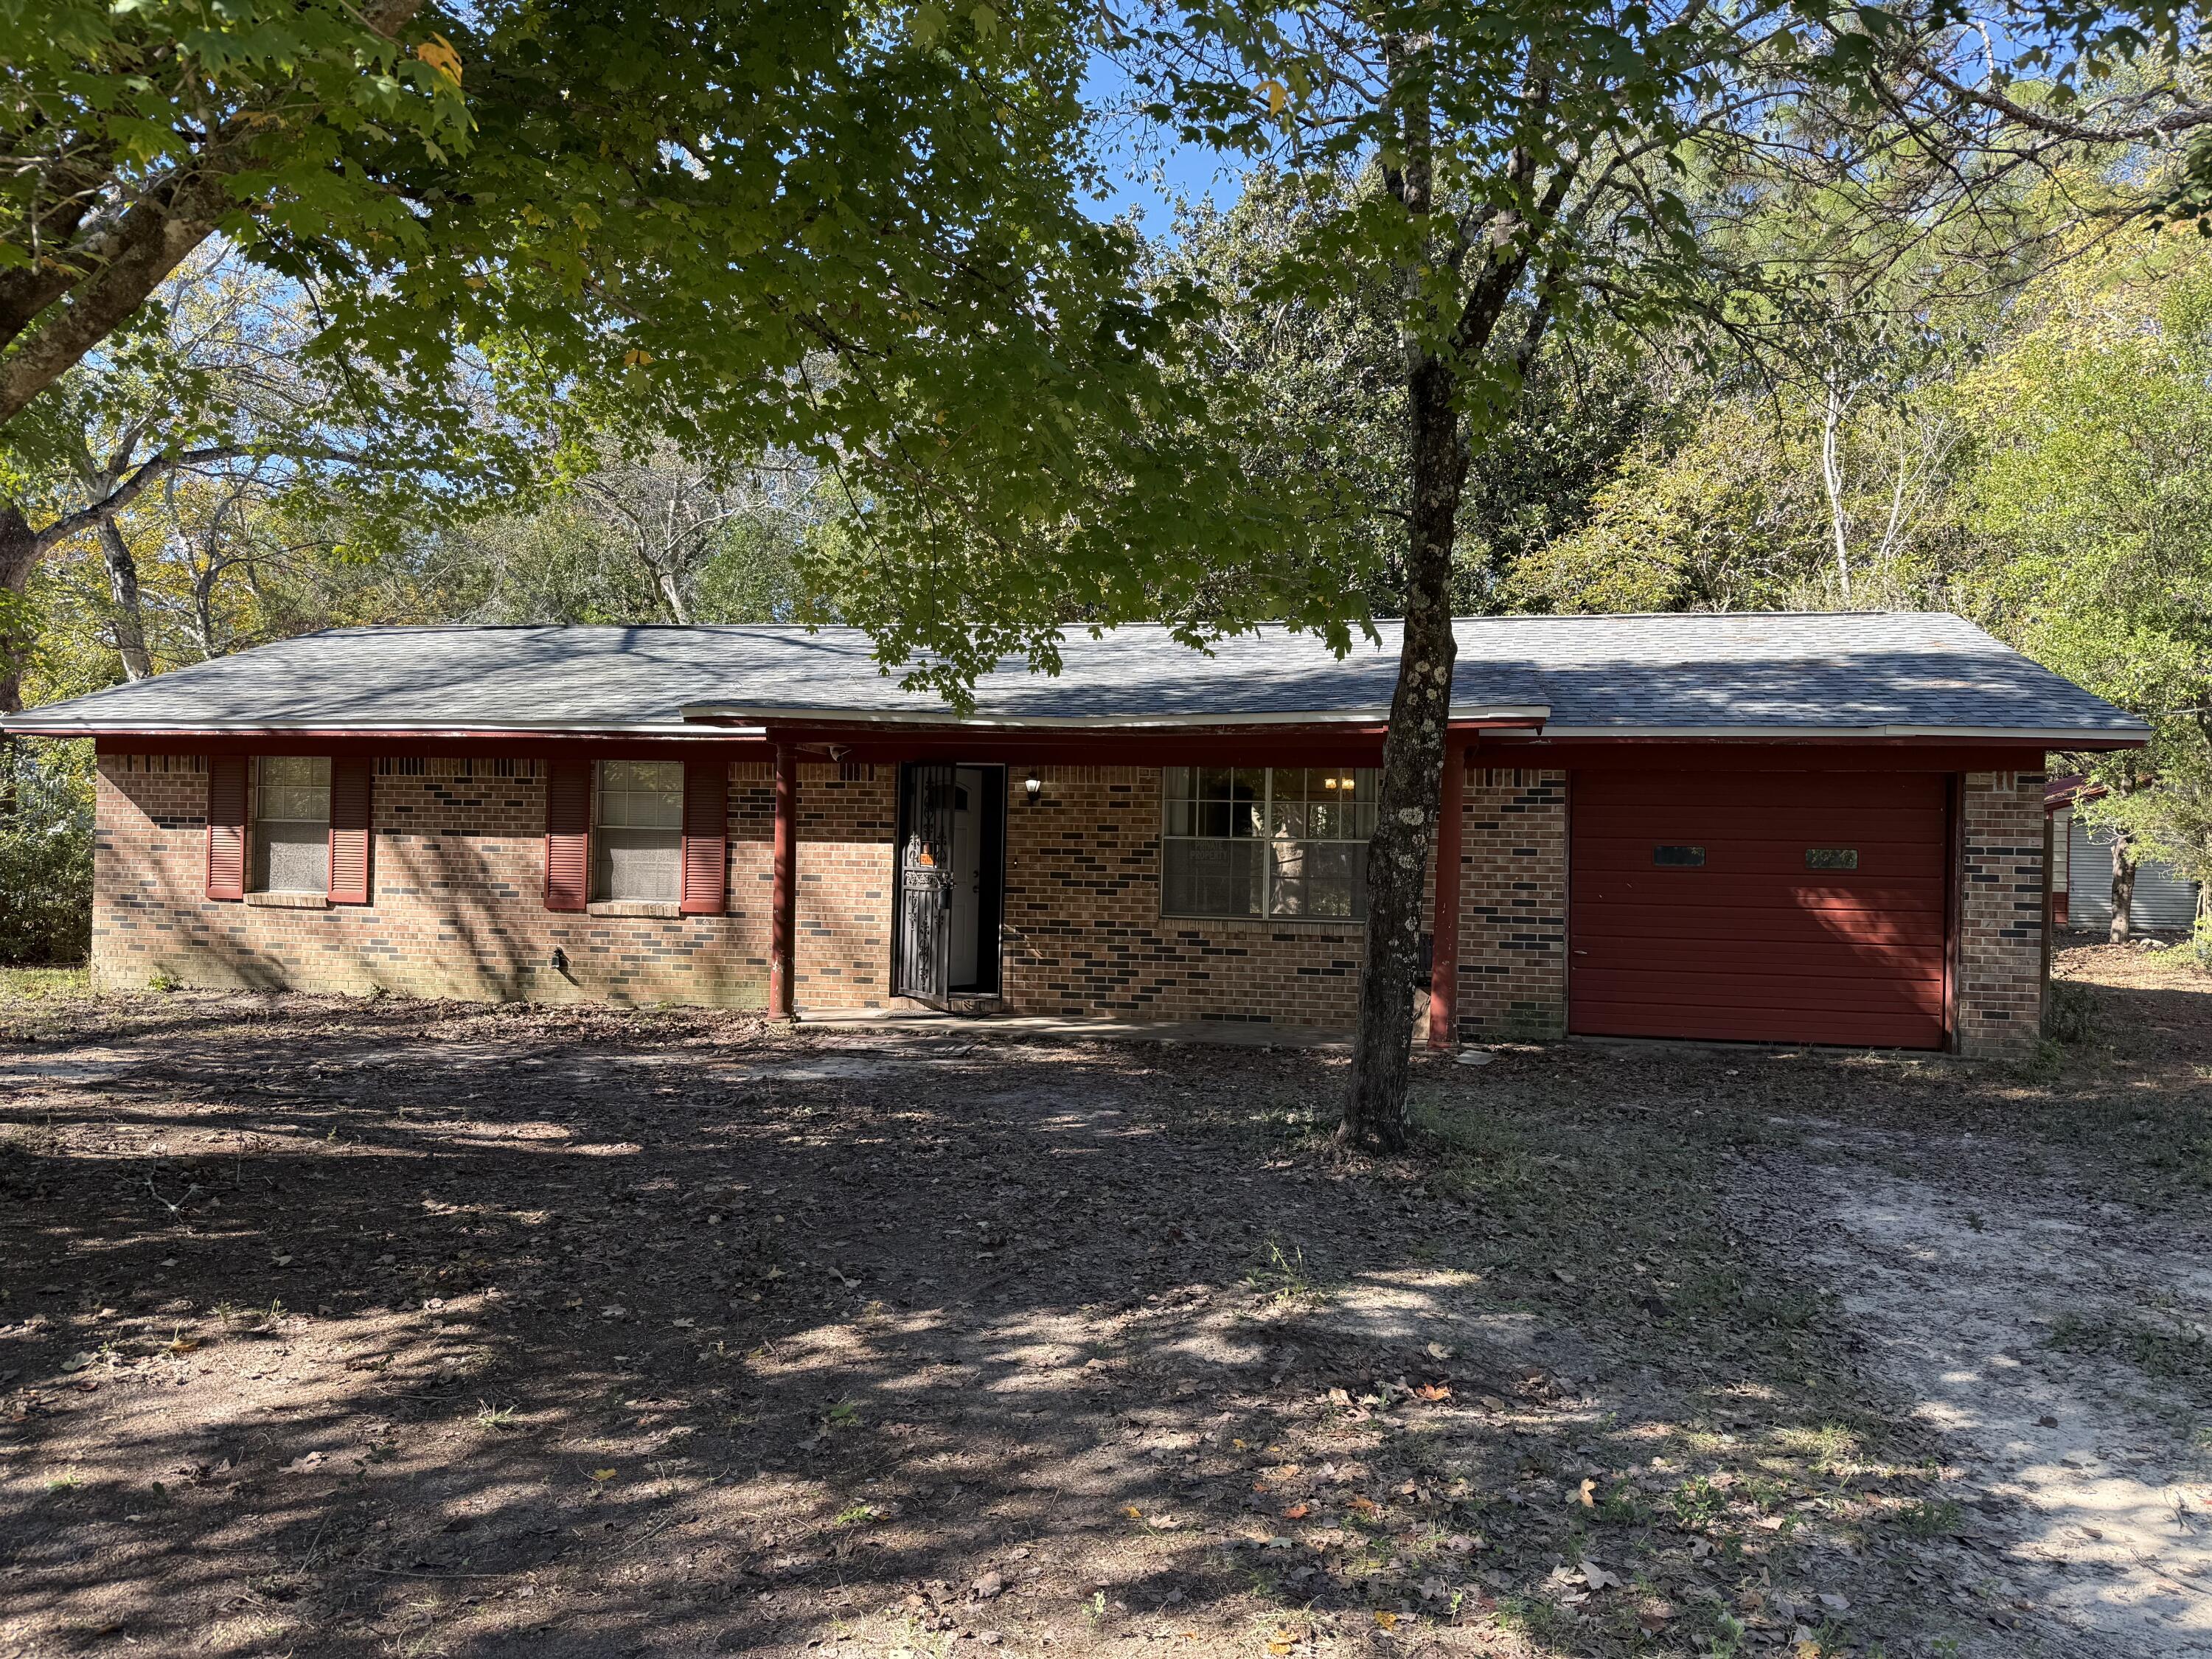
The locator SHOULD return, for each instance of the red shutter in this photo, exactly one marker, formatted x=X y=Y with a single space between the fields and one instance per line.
x=351 y=791
x=706 y=837
x=568 y=835
x=226 y=827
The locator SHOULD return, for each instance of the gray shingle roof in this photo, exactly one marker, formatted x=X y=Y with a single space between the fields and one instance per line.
x=1704 y=674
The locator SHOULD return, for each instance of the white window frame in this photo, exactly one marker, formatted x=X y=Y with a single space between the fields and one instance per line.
x=615 y=812
x=1362 y=786
x=319 y=822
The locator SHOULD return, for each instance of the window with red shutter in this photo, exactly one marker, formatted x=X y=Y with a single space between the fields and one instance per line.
x=706 y=837
x=568 y=835
x=351 y=785
x=226 y=827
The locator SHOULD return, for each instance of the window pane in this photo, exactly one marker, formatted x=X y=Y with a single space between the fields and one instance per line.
x=637 y=794
x=295 y=789
x=291 y=842
x=291 y=858
x=1323 y=879
x=1213 y=783
x=1211 y=877
x=1288 y=817
x=637 y=864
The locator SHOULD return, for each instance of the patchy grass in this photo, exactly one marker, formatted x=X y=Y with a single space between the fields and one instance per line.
x=38 y=984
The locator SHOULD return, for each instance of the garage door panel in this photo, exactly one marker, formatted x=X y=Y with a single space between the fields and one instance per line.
x=1658 y=953
x=1727 y=1025
x=1751 y=944
x=1762 y=791
x=1669 y=922
x=1734 y=827
x=1709 y=890
x=1607 y=855
x=1769 y=991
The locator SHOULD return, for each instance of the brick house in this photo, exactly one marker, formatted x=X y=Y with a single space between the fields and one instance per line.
x=1790 y=828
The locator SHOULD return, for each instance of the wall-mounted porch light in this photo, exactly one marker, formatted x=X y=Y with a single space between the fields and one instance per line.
x=1033 y=785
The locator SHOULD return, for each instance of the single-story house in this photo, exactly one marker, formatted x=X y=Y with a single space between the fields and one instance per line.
x=2164 y=900
x=1821 y=829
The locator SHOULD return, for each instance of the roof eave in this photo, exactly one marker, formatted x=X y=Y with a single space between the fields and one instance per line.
x=18 y=727
x=1531 y=715
x=2075 y=737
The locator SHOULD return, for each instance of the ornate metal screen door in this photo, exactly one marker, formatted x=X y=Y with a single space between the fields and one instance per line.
x=925 y=883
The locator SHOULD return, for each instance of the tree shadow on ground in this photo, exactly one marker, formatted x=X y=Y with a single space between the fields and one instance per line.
x=378 y=1326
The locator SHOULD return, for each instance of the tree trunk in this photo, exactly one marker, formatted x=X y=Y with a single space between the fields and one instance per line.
x=129 y=613
x=1412 y=771
x=2123 y=886
x=19 y=557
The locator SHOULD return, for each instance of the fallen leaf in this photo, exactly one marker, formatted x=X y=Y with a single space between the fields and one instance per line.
x=1432 y=1392
x=1385 y=1621
x=1589 y=1494
x=1598 y=1578
x=603 y=1474
x=1132 y=1511
x=1364 y=1504
x=1437 y=1351
x=1298 y=1511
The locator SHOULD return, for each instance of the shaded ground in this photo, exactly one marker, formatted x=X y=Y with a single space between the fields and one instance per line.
x=346 y=1327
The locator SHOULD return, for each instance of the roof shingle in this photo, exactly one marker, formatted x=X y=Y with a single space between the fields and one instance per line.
x=1692 y=673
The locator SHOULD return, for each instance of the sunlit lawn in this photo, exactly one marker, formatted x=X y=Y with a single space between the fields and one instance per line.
x=33 y=984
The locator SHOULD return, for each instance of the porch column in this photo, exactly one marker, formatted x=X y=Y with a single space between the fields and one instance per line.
x=1443 y=948
x=782 y=928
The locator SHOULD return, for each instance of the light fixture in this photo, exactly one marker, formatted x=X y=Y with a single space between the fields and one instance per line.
x=1034 y=785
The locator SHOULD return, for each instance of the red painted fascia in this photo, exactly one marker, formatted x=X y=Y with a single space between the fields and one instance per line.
x=1769 y=754
x=1309 y=745
x=537 y=745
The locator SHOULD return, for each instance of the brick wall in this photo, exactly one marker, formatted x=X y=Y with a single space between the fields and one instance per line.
x=459 y=872
x=1085 y=938
x=2000 y=961
x=1513 y=906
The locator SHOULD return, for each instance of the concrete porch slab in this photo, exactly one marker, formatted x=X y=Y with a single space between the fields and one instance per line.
x=1235 y=1034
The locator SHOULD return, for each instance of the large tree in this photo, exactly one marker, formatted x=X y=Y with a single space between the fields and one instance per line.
x=1502 y=178
x=2088 y=476
x=847 y=230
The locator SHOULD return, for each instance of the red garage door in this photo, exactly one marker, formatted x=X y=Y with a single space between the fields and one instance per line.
x=1791 y=907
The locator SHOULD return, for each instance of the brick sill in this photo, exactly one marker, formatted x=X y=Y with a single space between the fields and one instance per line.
x=633 y=908
x=289 y=900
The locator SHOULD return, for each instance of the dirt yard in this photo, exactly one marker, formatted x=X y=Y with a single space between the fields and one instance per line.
x=378 y=1327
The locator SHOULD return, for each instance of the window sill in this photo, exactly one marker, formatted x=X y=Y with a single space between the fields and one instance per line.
x=667 y=907
x=289 y=900
x=1349 y=927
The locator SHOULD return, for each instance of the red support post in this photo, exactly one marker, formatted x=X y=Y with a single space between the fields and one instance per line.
x=783 y=901
x=1444 y=954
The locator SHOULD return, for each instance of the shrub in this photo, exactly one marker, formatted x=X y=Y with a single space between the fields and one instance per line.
x=2069 y=1014
x=45 y=852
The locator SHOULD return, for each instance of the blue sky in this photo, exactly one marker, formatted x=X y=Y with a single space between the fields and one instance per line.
x=1145 y=168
